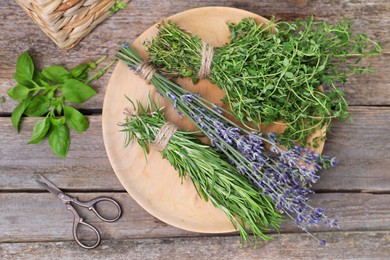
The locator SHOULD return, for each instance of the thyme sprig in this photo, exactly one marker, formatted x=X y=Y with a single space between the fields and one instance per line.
x=214 y=179
x=274 y=71
x=284 y=175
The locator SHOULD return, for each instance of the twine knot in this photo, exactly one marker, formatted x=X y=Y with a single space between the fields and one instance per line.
x=164 y=135
x=207 y=57
x=146 y=70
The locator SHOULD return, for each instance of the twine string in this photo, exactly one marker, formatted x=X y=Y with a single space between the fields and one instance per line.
x=146 y=70
x=164 y=135
x=207 y=57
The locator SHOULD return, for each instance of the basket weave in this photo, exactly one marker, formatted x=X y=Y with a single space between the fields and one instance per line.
x=66 y=22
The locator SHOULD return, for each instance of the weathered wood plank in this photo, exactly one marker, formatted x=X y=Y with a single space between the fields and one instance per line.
x=18 y=33
x=362 y=148
x=341 y=245
x=41 y=217
x=86 y=167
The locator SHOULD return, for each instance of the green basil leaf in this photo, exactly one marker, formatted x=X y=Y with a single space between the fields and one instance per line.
x=59 y=140
x=40 y=130
x=19 y=92
x=76 y=91
x=40 y=79
x=25 y=66
x=79 y=72
x=75 y=119
x=22 y=80
x=56 y=74
x=38 y=106
x=50 y=94
x=92 y=65
x=59 y=109
x=18 y=112
x=57 y=121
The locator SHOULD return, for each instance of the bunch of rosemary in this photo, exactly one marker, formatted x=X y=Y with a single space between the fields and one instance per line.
x=283 y=175
x=213 y=178
x=273 y=71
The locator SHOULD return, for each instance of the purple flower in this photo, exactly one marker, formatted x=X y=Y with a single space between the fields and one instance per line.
x=217 y=109
x=173 y=98
x=284 y=175
x=333 y=162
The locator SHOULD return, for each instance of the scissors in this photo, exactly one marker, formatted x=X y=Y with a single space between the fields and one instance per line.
x=90 y=205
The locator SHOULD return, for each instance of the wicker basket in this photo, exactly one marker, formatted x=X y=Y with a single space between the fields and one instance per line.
x=66 y=22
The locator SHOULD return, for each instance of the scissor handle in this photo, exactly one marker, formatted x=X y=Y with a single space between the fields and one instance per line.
x=91 y=205
x=77 y=221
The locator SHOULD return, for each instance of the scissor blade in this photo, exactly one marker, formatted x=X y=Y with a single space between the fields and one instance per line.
x=49 y=186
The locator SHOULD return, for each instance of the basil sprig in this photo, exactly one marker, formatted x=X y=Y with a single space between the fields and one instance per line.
x=48 y=93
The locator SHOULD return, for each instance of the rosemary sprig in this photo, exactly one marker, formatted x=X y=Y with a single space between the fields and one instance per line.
x=214 y=179
x=273 y=71
x=283 y=175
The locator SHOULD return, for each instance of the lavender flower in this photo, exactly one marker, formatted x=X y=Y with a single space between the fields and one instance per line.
x=283 y=175
x=173 y=98
x=216 y=108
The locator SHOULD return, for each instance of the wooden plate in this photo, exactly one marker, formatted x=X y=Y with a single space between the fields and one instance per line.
x=154 y=184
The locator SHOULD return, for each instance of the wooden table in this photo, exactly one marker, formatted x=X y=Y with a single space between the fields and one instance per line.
x=33 y=225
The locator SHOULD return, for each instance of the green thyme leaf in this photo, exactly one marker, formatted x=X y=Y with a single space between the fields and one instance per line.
x=40 y=130
x=77 y=92
x=273 y=71
x=59 y=140
x=75 y=119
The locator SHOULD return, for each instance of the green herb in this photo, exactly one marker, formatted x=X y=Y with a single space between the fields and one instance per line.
x=273 y=71
x=2 y=99
x=47 y=93
x=118 y=5
x=282 y=174
x=214 y=179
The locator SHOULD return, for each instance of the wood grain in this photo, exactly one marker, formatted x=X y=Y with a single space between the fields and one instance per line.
x=18 y=34
x=29 y=215
x=361 y=147
x=46 y=219
x=86 y=167
x=363 y=151
x=340 y=245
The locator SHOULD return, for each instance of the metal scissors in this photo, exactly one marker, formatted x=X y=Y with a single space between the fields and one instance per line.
x=90 y=205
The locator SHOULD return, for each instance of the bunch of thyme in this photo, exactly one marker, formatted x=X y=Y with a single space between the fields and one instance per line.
x=273 y=71
x=213 y=178
x=284 y=176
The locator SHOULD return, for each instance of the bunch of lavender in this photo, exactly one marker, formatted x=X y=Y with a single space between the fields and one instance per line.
x=214 y=178
x=283 y=175
x=272 y=71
